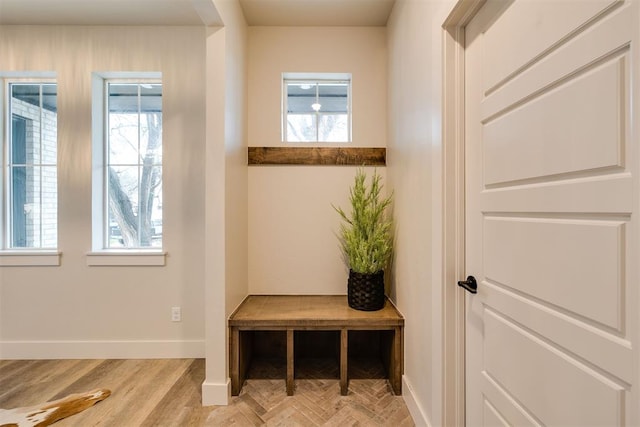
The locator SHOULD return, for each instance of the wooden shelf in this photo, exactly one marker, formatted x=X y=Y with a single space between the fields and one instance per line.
x=314 y=156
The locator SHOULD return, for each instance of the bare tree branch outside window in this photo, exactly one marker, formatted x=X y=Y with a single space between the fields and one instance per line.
x=135 y=172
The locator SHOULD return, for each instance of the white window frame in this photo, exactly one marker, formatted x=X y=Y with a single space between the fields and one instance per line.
x=100 y=254
x=314 y=79
x=9 y=256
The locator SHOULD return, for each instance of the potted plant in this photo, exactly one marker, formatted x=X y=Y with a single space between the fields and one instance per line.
x=366 y=241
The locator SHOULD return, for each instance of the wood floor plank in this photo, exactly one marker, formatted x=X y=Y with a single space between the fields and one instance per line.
x=10 y=368
x=16 y=382
x=160 y=376
x=103 y=373
x=248 y=400
x=167 y=393
x=310 y=410
x=114 y=374
x=39 y=381
x=184 y=393
x=249 y=413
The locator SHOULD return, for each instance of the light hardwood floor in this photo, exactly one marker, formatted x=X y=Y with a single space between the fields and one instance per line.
x=167 y=392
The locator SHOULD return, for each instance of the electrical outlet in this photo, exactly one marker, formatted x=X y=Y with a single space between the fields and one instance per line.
x=176 y=314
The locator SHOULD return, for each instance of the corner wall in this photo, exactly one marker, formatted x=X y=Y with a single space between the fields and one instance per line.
x=293 y=248
x=225 y=233
x=414 y=159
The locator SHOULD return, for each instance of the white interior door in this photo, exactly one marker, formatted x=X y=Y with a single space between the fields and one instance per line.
x=551 y=151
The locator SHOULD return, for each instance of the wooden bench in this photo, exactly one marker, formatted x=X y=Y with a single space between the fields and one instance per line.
x=292 y=313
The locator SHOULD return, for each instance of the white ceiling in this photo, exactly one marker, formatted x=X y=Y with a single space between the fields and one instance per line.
x=194 y=12
x=108 y=12
x=317 y=12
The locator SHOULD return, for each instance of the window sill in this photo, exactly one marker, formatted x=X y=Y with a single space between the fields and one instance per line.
x=30 y=258
x=126 y=258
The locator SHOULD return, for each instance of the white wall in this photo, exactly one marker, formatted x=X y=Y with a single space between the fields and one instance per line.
x=280 y=216
x=236 y=173
x=225 y=264
x=414 y=159
x=78 y=311
x=292 y=245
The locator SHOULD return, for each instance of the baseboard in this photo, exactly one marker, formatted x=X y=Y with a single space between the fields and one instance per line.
x=415 y=409
x=216 y=393
x=102 y=349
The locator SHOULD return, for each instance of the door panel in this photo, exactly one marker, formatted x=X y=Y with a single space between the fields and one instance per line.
x=578 y=336
x=505 y=405
x=607 y=39
x=492 y=417
x=538 y=256
x=551 y=232
x=537 y=373
x=528 y=29
x=562 y=121
x=606 y=193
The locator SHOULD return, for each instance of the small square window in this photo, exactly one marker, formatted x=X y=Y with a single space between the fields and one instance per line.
x=316 y=109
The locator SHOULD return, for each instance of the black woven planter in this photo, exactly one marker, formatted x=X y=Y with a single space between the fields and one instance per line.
x=366 y=290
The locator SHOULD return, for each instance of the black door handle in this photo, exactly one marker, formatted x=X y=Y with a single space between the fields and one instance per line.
x=470 y=284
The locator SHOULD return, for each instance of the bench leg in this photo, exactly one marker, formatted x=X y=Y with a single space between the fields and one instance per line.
x=290 y=383
x=234 y=358
x=344 y=357
x=396 y=367
x=240 y=353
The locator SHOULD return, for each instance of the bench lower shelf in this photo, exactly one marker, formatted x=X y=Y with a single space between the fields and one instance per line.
x=293 y=315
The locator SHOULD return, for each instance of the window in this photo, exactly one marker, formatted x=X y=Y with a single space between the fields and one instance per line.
x=132 y=203
x=316 y=108
x=31 y=189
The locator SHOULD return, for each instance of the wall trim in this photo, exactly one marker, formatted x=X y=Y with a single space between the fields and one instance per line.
x=453 y=211
x=417 y=412
x=124 y=258
x=30 y=258
x=160 y=349
x=216 y=393
x=314 y=156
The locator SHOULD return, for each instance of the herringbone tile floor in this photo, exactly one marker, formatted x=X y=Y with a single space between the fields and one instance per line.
x=168 y=393
x=317 y=400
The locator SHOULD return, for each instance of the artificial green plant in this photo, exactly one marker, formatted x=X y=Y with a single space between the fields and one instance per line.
x=365 y=234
